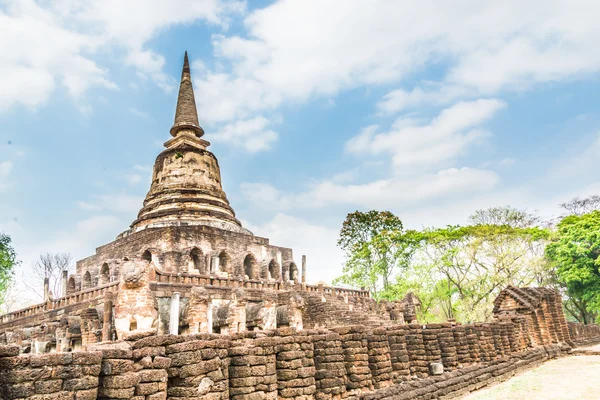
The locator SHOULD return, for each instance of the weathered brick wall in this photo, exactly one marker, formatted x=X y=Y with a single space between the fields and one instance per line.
x=582 y=334
x=49 y=376
x=354 y=362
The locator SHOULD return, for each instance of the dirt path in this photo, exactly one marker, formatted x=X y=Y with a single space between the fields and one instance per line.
x=568 y=378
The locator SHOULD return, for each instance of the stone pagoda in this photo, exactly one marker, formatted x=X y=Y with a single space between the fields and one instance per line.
x=187 y=265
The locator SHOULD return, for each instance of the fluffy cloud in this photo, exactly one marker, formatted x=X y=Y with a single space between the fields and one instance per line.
x=58 y=40
x=317 y=242
x=400 y=99
x=253 y=135
x=581 y=160
x=5 y=170
x=394 y=192
x=295 y=49
x=119 y=203
x=443 y=139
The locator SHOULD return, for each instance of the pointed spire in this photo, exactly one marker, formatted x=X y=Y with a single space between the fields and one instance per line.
x=186 y=116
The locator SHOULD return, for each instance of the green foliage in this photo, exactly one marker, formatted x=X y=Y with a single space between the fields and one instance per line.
x=359 y=227
x=473 y=263
x=376 y=246
x=8 y=260
x=455 y=271
x=575 y=252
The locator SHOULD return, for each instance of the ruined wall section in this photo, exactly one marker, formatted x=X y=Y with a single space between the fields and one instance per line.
x=351 y=362
x=189 y=249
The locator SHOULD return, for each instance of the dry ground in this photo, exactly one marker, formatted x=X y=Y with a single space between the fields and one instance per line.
x=569 y=378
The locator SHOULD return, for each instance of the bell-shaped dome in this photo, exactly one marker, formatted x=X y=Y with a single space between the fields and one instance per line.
x=186 y=181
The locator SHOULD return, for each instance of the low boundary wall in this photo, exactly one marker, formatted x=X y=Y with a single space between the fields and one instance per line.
x=347 y=362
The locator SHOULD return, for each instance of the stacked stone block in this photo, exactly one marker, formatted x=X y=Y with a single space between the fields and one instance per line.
x=252 y=370
x=48 y=376
x=472 y=339
x=485 y=341
x=416 y=351
x=398 y=353
x=197 y=368
x=380 y=361
x=330 y=371
x=295 y=366
x=506 y=334
x=433 y=353
x=447 y=347
x=497 y=339
x=463 y=354
x=348 y=363
x=117 y=377
x=151 y=363
x=583 y=334
x=356 y=358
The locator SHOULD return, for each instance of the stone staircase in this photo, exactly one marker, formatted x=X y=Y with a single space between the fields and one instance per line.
x=334 y=311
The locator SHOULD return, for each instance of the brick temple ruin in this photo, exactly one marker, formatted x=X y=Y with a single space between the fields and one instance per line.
x=186 y=265
x=188 y=304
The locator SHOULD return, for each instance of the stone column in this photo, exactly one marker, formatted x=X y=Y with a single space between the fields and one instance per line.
x=65 y=277
x=89 y=326
x=209 y=318
x=303 y=269
x=174 y=314
x=107 y=317
x=46 y=289
x=214 y=266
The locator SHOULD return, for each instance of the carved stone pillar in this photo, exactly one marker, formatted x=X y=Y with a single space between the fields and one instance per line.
x=174 y=314
x=90 y=326
x=107 y=317
x=198 y=311
x=46 y=289
x=303 y=269
x=65 y=277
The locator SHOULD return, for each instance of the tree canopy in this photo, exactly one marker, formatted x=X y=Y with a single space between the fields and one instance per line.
x=456 y=271
x=8 y=260
x=376 y=246
x=575 y=252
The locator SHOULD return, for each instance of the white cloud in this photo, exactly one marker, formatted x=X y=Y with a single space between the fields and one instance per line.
x=296 y=49
x=253 y=135
x=317 y=242
x=5 y=170
x=139 y=113
x=443 y=139
x=119 y=203
x=400 y=99
x=580 y=159
x=52 y=44
x=507 y=162
x=80 y=241
x=385 y=193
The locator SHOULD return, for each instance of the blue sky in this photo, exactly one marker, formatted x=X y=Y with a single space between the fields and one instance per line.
x=314 y=109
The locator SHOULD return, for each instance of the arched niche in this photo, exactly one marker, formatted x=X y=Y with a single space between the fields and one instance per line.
x=250 y=267
x=71 y=285
x=87 y=280
x=293 y=272
x=147 y=256
x=274 y=270
x=198 y=260
x=224 y=262
x=104 y=274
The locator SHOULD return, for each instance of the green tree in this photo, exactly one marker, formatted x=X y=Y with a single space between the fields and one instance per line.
x=373 y=249
x=575 y=251
x=8 y=260
x=475 y=262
